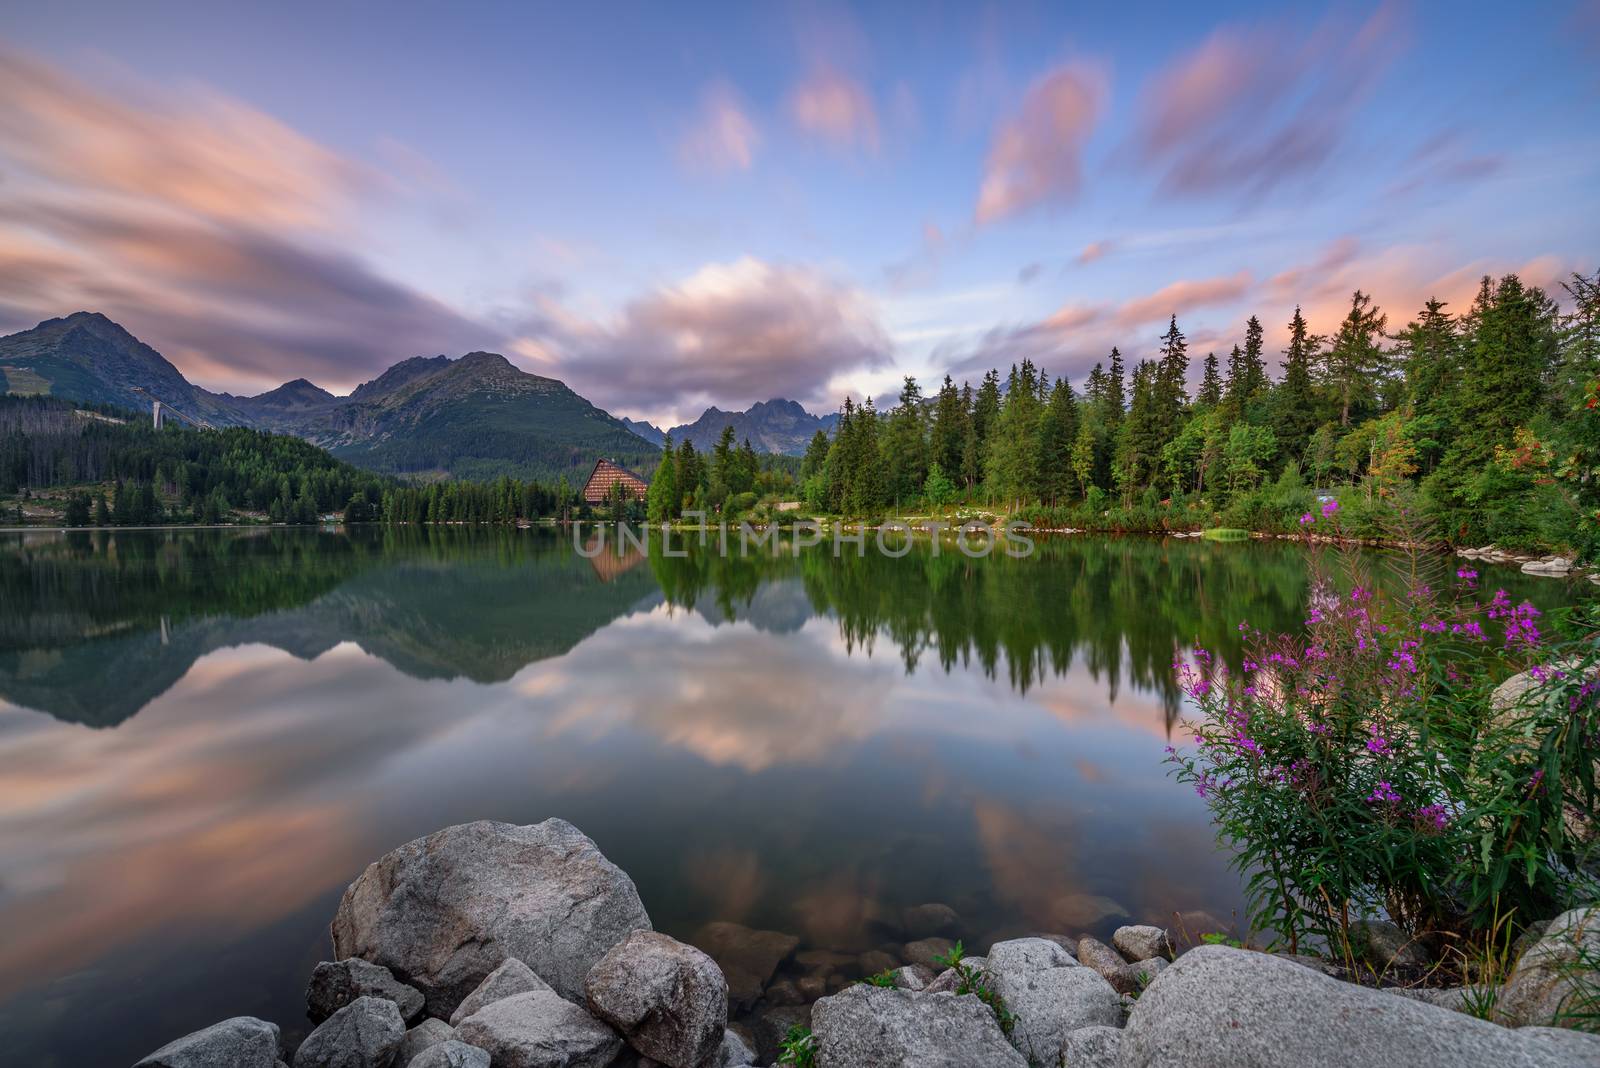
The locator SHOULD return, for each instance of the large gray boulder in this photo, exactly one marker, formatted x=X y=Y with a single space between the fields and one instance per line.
x=1050 y=994
x=423 y=1037
x=451 y=1054
x=1557 y=974
x=443 y=911
x=668 y=999
x=748 y=958
x=540 y=1030
x=335 y=984
x=868 y=1026
x=1232 y=1008
x=512 y=977
x=364 y=1034
x=240 y=1042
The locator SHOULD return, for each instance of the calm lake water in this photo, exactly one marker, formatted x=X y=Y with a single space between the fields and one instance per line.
x=205 y=736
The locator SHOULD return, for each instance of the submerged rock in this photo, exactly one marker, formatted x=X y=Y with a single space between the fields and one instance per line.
x=927 y=951
x=668 y=999
x=335 y=984
x=444 y=911
x=748 y=958
x=364 y=1034
x=1221 y=1006
x=878 y=1027
x=934 y=918
x=540 y=1030
x=240 y=1042
x=512 y=977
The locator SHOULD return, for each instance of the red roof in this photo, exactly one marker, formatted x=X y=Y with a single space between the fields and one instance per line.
x=607 y=474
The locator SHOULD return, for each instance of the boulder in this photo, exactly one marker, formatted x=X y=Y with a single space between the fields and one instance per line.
x=1092 y=1047
x=512 y=977
x=424 y=1036
x=364 y=1034
x=1142 y=942
x=747 y=957
x=1385 y=946
x=240 y=1042
x=1555 y=975
x=927 y=951
x=733 y=1052
x=539 y=1029
x=1107 y=963
x=784 y=992
x=876 y=961
x=878 y=1027
x=1454 y=998
x=668 y=999
x=335 y=984
x=946 y=982
x=451 y=1054
x=1050 y=994
x=443 y=911
x=934 y=918
x=1219 y=1006
x=772 y=1024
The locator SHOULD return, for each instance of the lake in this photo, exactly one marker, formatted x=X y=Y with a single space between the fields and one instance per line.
x=206 y=735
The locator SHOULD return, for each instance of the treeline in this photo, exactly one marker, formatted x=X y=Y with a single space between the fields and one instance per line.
x=1450 y=406
x=730 y=480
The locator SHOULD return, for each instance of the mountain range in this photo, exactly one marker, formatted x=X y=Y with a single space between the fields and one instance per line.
x=473 y=417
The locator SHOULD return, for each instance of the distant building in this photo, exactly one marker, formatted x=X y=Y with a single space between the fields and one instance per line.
x=607 y=474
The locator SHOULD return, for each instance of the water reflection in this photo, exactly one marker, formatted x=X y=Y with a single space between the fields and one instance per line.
x=205 y=736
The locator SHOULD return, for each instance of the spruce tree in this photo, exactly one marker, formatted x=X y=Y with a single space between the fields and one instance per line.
x=1295 y=408
x=1356 y=360
x=1210 y=394
x=662 y=499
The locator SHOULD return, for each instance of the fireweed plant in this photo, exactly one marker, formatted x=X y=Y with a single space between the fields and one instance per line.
x=1360 y=767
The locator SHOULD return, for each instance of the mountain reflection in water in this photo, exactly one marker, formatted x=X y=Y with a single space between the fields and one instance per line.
x=204 y=736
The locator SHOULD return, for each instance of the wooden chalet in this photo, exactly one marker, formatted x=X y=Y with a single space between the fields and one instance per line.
x=607 y=474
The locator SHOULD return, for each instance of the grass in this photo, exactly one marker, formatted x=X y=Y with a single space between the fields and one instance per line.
x=1225 y=534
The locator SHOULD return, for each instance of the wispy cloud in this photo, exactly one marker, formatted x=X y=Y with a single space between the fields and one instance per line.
x=208 y=228
x=723 y=137
x=1036 y=155
x=1253 y=108
x=837 y=108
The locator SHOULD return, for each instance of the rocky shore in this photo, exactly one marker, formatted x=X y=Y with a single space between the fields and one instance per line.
x=490 y=945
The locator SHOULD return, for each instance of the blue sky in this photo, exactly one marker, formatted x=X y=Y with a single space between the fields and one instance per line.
x=675 y=205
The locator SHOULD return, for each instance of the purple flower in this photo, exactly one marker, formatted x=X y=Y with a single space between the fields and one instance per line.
x=1377 y=743
x=1306 y=519
x=1437 y=815
x=1329 y=507
x=1383 y=793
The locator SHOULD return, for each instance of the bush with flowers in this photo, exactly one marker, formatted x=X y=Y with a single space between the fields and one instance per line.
x=1360 y=769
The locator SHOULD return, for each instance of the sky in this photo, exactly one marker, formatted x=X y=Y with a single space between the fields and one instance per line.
x=672 y=206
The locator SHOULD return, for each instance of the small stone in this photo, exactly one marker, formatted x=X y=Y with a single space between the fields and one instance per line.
x=364 y=1034
x=946 y=982
x=424 y=1036
x=1144 y=972
x=335 y=984
x=934 y=918
x=823 y=960
x=913 y=976
x=812 y=987
x=451 y=1054
x=1142 y=942
x=512 y=977
x=1107 y=963
x=667 y=998
x=1092 y=1047
x=784 y=992
x=1385 y=946
x=1549 y=976
x=240 y=1042
x=540 y=1030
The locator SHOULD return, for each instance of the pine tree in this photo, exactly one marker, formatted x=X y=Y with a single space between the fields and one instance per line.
x=1429 y=353
x=816 y=456
x=1058 y=431
x=904 y=446
x=1255 y=363
x=1355 y=361
x=1210 y=394
x=948 y=433
x=662 y=499
x=1295 y=406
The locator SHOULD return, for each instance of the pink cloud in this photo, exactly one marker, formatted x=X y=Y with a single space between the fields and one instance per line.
x=1183 y=296
x=1252 y=108
x=837 y=108
x=723 y=136
x=1095 y=250
x=1036 y=155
